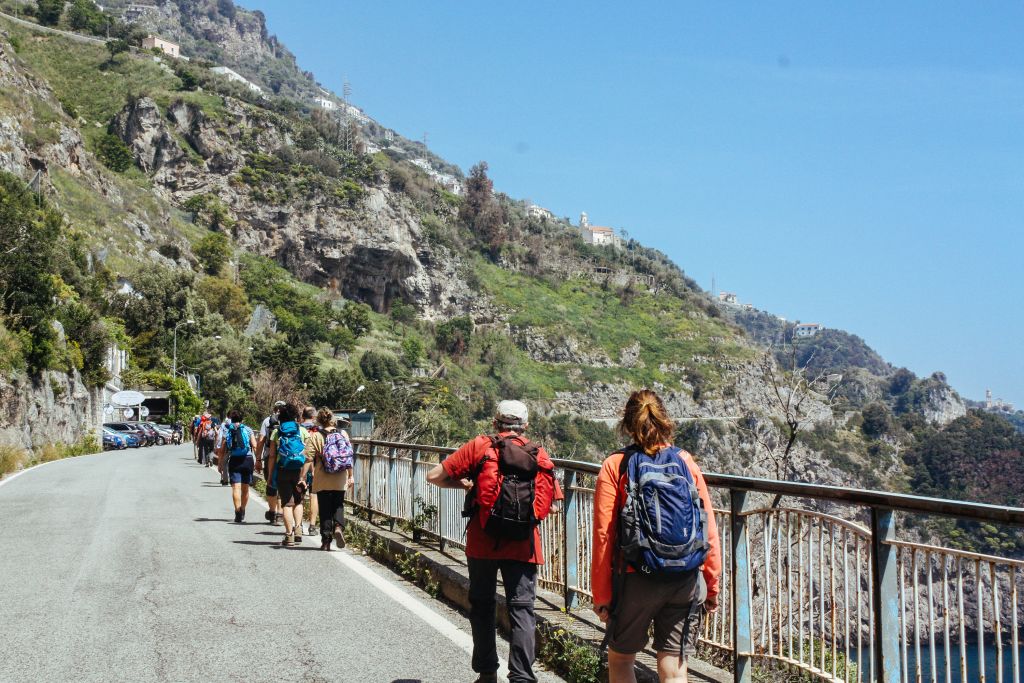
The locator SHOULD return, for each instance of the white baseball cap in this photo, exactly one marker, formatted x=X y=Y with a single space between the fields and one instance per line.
x=512 y=413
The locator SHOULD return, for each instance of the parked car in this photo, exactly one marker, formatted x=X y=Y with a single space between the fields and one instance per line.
x=152 y=437
x=165 y=432
x=138 y=435
x=112 y=441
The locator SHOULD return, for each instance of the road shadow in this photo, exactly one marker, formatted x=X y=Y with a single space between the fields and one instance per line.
x=277 y=545
x=213 y=484
x=212 y=519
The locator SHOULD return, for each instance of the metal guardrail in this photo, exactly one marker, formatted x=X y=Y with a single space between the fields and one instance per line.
x=835 y=599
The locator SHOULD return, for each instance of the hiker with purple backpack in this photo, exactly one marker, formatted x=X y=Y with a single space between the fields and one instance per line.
x=333 y=458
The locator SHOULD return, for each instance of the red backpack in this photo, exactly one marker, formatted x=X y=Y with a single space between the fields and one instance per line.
x=513 y=488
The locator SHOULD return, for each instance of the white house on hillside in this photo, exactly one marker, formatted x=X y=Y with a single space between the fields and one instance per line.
x=324 y=103
x=233 y=75
x=535 y=211
x=807 y=329
x=728 y=298
x=597 y=235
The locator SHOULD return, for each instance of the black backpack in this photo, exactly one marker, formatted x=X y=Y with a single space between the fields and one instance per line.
x=512 y=513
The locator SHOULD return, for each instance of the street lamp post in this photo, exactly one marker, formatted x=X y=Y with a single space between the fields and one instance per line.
x=174 y=363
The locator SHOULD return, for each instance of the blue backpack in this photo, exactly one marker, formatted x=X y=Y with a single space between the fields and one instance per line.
x=291 y=452
x=238 y=440
x=663 y=526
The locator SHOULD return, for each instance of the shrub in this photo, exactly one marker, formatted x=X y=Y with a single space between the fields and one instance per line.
x=213 y=251
x=453 y=336
x=12 y=458
x=379 y=367
x=114 y=154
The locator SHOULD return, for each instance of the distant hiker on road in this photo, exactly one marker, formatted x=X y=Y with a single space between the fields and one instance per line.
x=665 y=573
x=332 y=464
x=206 y=437
x=511 y=488
x=289 y=462
x=263 y=454
x=236 y=461
x=309 y=423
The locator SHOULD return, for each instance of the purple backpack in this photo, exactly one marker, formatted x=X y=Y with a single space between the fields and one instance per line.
x=338 y=454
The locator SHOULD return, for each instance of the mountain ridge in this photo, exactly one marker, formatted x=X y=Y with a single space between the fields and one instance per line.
x=201 y=201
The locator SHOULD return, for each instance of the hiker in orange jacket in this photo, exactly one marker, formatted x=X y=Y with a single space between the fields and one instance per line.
x=672 y=606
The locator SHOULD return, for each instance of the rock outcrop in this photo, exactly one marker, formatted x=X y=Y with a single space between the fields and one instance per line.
x=55 y=408
x=146 y=133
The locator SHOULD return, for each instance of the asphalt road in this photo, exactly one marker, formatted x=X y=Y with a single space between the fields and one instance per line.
x=126 y=566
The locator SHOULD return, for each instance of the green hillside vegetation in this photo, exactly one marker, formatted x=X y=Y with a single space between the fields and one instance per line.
x=434 y=382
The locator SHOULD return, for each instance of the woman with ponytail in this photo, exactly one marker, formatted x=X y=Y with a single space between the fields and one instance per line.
x=629 y=601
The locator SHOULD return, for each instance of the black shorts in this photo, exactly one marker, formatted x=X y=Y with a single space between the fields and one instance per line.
x=240 y=469
x=286 y=483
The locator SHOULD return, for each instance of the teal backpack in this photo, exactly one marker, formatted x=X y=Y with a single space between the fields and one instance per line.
x=238 y=440
x=291 y=452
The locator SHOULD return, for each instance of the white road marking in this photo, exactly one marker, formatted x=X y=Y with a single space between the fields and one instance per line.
x=410 y=602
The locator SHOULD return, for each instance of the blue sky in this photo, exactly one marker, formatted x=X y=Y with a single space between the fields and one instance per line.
x=857 y=165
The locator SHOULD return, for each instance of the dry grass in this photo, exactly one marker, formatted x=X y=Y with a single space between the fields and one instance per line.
x=12 y=458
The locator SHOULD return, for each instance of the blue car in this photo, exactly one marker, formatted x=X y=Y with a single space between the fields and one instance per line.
x=113 y=441
x=129 y=439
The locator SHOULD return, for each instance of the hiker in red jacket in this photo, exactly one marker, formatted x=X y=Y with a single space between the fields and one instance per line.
x=503 y=473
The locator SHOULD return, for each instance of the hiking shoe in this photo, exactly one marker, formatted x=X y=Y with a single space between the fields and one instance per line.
x=312 y=531
x=326 y=545
x=238 y=516
x=278 y=519
x=241 y=513
x=297 y=536
x=339 y=537
x=286 y=541
x=487 y=678
x=269 y=516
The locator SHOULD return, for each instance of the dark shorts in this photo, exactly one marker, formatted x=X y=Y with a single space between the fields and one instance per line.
x=240 y=469
x=286 y=482
x=675 y=608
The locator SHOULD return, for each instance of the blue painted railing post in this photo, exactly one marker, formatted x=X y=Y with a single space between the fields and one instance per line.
x=886 y=596
x=739 y=579
x=571 y=540
x=413 y=474
x=392 y=487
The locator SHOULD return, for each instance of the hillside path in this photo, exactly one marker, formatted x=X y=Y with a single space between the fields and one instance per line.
x=127 y=566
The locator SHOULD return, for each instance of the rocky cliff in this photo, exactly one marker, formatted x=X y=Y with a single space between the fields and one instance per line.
x=53 y=408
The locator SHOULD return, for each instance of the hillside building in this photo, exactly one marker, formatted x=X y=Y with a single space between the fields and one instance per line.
x=535 y=211
x=807 y=329
x=324 y=103
x=997 y=404
x=597 y=235
x=233 y=75
x=728 y=298
x=165 y=46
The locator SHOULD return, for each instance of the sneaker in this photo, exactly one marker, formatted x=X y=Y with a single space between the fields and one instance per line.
x=242 y=515
x=238 y=516
x=278 y=519
x=287 y=540
x=269 y=516
x=487 y=678
x=312 y=531
x=339 y=536
x=326 y=545
x=297 y=536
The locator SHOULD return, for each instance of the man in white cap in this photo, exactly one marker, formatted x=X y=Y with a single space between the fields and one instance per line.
x=503 y=473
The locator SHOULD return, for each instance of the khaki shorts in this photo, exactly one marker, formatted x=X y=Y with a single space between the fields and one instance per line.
x=675 y=608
